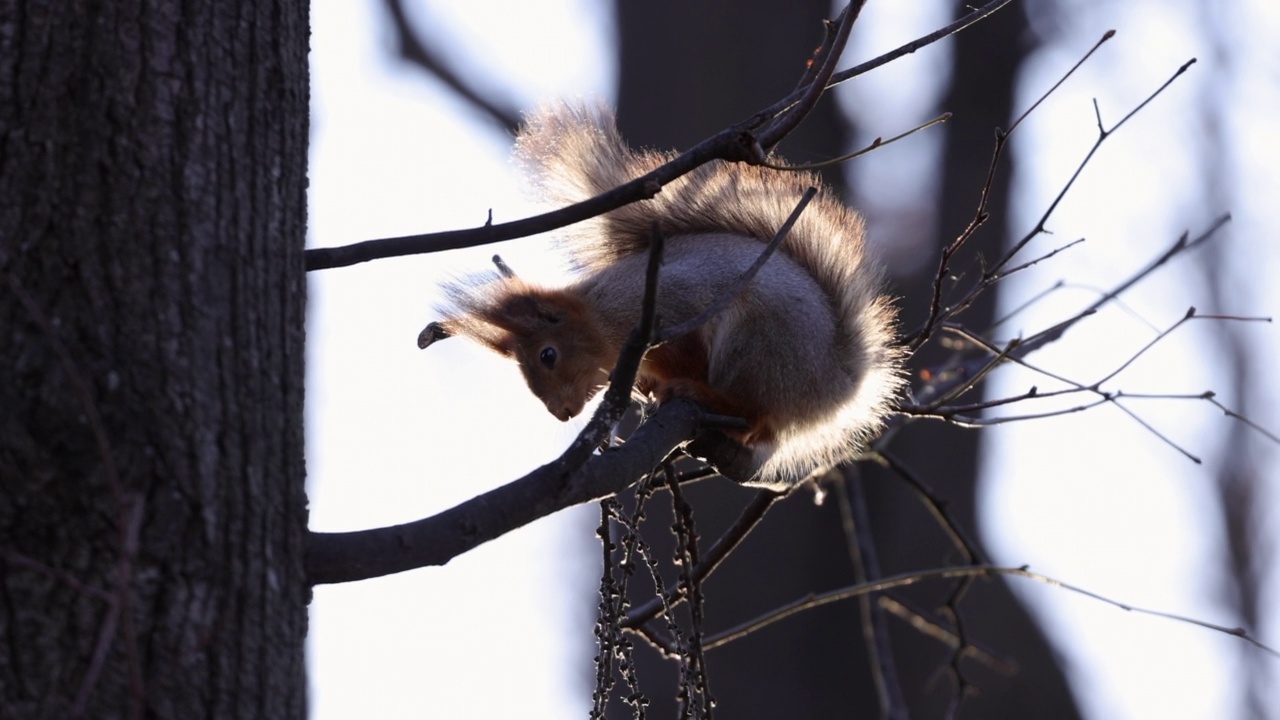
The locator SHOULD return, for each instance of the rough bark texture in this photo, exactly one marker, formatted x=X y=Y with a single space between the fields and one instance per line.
x=152 y=301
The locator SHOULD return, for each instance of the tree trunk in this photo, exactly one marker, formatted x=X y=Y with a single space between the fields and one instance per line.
x=152 y=300
x=686 y=71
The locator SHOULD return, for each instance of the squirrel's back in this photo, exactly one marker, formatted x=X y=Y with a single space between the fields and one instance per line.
x=574 y=152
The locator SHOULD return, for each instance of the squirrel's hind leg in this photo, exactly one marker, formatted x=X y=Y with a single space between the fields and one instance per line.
x=735 y=453
x=730 y=458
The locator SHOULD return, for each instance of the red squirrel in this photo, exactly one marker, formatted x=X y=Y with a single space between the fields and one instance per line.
x=804 y=353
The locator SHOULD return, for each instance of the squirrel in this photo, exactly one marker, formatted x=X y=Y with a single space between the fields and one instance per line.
x=804 y=353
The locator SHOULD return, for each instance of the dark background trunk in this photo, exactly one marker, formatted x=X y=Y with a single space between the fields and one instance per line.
x=686 y=69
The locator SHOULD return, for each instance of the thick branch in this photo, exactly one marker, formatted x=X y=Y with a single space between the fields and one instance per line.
x=730 y=144
x=347 y=557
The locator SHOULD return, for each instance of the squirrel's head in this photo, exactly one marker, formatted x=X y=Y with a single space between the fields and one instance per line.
x=558 y=342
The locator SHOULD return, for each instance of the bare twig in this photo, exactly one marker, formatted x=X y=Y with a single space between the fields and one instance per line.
x=17 y=559
x=746 y=522
x=694 y=689
x=782 y=125
x=928 y=626
x=819 y=599
x=128 y=518
x=613 y=599
x=965 y=688
x=1189 y=316
x=1209 y=396
x=1056 y=286
x=943 y=385
x=855 y=520
x=937 y=507
x=874 y=145
x=1103 y=134
x=977 y=15
x=936 y=312
x=1015 y=352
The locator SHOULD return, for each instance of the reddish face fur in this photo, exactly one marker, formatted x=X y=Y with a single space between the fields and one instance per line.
x=558 y=344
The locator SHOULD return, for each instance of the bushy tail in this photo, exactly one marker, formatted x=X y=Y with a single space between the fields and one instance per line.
x=572 y=152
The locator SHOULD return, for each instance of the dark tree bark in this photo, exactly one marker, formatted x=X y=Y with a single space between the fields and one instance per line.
x=152 y=299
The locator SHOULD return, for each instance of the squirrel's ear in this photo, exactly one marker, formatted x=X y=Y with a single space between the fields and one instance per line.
x=524 y=313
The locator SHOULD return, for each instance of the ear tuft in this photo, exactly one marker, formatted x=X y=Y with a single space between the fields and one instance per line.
x=431 y=333
x=526 y=312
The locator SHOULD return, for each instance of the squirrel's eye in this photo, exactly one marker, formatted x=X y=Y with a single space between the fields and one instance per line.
x=548 y=357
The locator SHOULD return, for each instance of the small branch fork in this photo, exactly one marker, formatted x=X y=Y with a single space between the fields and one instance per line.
x=939 y=400
x=695 y=694
x=939 y=314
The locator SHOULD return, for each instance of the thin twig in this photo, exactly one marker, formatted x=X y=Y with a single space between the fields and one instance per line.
x=695 y=691
x=747 y=521
x=127 y=519
x=812 y=601
x=977 y=15
x=855 y=520
x=875 y=144
x=782 y=125
x=936 y=312
x=957 y=415
x=965 y=688
x=17 y=559
x=1103 y=134
x=1058 y=285
x=944 y=383
x=940 y=509
x=931 y=627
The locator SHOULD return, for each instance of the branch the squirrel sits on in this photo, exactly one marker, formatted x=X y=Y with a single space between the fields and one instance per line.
x=804 y=353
